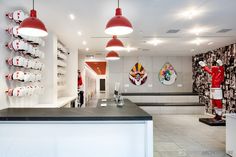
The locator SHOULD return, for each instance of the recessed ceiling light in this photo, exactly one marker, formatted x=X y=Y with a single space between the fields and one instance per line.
x=190 y=13
x=197 y=41
x=84 y=42
x=155 y=42
x=87 y=49
x=198 y=30
x=192 y=50
x=210 y=43
x=128 y=49
x=72 y=16
x=79 y=33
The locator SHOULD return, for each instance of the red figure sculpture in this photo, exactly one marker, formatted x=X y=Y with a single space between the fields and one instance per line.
x=217 y=75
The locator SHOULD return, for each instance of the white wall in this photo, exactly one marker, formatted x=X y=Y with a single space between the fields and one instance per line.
x=89 y=78
x=71 y=75
x=49 y=74
x=119 y=72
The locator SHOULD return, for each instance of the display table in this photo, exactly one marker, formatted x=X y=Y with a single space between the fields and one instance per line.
x=231 y=134
x=109 y=131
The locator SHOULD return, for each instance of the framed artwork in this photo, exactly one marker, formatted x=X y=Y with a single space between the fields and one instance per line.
x=167 y=74
x=138 y=75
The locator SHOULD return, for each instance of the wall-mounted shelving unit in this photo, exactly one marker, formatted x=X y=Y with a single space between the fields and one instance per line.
x=62 y=53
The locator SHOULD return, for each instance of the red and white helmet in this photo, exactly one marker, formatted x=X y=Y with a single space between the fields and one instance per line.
x=16 y=61
x=38 y=77
x=31 y=63
x=37 y=65
x=13 y=31
x=19 y=91
x=18 y=75
x=30 y=90
x=17 y=45
x=18 y=16
x=32 y=77
x=30 y=49
x=9 y=92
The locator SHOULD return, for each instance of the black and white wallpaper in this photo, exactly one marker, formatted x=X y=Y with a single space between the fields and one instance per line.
x=202 y=80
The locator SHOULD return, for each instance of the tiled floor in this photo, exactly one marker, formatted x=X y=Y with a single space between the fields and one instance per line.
x=185 y=136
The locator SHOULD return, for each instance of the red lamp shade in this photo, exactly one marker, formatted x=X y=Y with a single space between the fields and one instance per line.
x=112 y=55
x=118 y=25
x=32 y=26
x=114 y=45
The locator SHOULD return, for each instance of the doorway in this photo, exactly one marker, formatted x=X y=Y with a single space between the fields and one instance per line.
x=102 y=85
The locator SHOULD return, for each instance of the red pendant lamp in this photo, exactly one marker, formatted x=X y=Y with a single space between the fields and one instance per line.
x=32 y=26
x=115 y=44
x=112 y=55
x=118 y=25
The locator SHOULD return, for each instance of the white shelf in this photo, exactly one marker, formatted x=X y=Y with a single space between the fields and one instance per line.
x=60 y=103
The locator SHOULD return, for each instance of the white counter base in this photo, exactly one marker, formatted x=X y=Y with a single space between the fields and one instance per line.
x=231 y=134
x=80 y=138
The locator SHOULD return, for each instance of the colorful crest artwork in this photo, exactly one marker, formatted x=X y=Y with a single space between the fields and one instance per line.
x=138 y=75
x=167 y=74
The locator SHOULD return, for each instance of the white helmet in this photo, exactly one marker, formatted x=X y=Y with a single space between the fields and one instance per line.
x=18 y=61
x=13 y=31
x=18 y=75
x=32 y=77
x=38 y=77
x=18 y=16
x=19 y=91
x=18 y=45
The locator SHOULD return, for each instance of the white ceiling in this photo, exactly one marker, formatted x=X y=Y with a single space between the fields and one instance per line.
x=151 y=18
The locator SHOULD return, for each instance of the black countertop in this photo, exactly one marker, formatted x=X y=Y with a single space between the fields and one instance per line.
x=161 y=94
x=129 y=112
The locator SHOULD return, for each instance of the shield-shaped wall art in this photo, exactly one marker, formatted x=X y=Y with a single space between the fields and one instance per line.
x=138 y=75
x=167 y=74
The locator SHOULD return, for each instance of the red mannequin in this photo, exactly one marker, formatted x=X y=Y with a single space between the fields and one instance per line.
x=217 y=74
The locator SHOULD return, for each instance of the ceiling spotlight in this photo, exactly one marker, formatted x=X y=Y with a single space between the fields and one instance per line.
x=198 y=30
x=190 y=14
x=79 y=33
x=192 y=50
x=155 y=42
x=128 y=49
x=87 y=49
x=84 y=43
x=210 y=43
x=72 y=16
x=197 y=41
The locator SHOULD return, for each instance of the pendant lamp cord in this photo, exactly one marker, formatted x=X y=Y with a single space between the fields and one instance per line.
x=118 y=3
x=33 y=4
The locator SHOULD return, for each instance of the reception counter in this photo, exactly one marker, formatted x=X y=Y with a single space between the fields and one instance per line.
x=104 y=131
